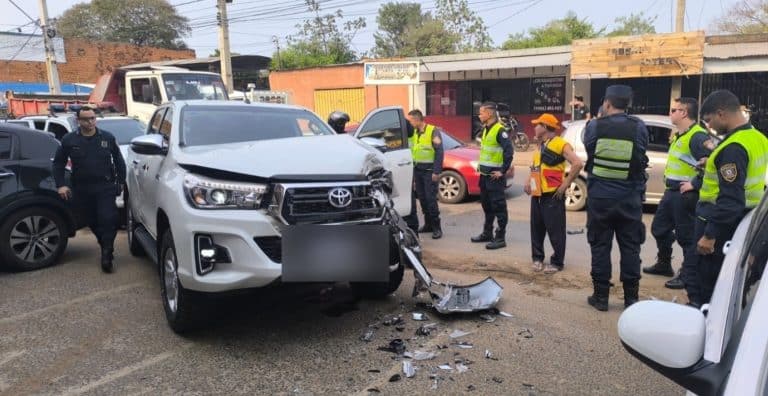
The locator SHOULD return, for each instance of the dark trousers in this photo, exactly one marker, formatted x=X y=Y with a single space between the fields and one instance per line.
x=96 y=205
x=411 y=219
x=426 y=191
x=548 y=217
x=674 y=220
x=622 y=217
x=494 y=202
x=709 y=265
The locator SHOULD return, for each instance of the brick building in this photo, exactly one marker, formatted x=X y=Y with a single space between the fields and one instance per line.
x=22 y=58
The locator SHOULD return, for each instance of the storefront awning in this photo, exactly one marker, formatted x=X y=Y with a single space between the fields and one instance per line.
x=515 y=62
x=742 y=65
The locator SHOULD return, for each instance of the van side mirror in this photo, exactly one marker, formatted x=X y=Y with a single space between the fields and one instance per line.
x=153 y=144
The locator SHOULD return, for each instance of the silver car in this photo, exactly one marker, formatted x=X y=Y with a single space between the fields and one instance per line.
x=659 y=130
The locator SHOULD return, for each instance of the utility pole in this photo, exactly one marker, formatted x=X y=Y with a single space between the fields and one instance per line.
x=277 y=46
x=54 y=86
x=224 y=54
x=680 y=17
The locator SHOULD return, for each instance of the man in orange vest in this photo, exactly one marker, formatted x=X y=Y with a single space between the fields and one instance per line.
x=547 y=186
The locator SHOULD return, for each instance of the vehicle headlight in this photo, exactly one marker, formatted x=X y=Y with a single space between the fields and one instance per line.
x=474 y=164
x=205 y=193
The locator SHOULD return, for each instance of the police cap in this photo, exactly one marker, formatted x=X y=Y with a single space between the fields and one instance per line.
x=619 y=91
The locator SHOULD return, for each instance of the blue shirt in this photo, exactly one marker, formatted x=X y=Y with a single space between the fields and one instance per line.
x=615 y=189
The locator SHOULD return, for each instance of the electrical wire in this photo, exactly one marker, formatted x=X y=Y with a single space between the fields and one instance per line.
x=23 y=45
x=532 y=3
x=22 y=11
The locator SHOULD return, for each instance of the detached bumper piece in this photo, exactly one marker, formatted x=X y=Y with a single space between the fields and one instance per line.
x=448 y=298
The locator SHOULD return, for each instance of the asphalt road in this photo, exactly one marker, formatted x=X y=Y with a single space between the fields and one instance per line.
x=73 y=330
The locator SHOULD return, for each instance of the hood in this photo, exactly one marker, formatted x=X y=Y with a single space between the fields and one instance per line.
x=283 y=158
x=465 y=153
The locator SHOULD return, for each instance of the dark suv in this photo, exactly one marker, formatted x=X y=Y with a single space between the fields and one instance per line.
x=35 y=224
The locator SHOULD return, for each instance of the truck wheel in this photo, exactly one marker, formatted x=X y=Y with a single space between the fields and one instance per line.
x=130 y=229
x=576 y=195
x=451 y=188
x=183 y=308
x=32 y=238
x=377 y=290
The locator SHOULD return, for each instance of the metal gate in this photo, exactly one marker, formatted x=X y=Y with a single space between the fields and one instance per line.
x=348 y=100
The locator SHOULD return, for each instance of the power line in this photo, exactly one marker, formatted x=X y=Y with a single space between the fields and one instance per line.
x=532 y=3
x=186 y=3
x=22 y=46
x=22 y=11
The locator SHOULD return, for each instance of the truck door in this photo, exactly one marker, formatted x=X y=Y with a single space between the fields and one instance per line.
x=385 y=129
x=143 y=97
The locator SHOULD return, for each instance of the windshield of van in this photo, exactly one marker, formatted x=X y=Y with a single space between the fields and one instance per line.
x=190 y=86
x=203 y=125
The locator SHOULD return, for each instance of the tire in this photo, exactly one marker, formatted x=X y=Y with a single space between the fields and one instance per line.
x=451 y=188
x=380 y=290
x=130 y=229
x=32 y=238
x=576 y=195
x=184 y=309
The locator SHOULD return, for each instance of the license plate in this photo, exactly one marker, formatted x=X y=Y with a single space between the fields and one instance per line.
x=335 y=253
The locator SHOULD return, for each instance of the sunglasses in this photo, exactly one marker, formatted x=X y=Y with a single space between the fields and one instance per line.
x=86 y=118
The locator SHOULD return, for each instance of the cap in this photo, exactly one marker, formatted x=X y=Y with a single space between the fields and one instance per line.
x=579 y=98
x=619 y=91
x=548 y=120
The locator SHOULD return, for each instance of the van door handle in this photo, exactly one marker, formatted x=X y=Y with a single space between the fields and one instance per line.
x=135 y=162
x=404 y=163
x=7 y=174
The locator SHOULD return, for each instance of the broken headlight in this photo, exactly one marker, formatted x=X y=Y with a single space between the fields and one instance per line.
x=205 y=193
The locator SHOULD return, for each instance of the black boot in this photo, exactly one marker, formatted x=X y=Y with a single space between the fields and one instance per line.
x=599 y=298
x=675 y=283
x=663 y=264
x=484 y=236
x=631 y=293
x=437 y=230
x=498 y=241
x=426 y=228
x=107 y=264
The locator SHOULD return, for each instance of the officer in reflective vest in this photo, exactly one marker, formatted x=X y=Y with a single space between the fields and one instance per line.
x=732 y=184
x=494 y=163
x=616 y=163
x=547 y=186
x=427 y=148
x=676 y=214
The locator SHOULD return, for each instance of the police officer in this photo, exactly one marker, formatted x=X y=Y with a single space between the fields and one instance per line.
x=616 y=163
x=338 y=120
x=98 y=174
x=732 y=184
x=676 y=213
x=427 y=149
x=547 y=186
x=495 y=162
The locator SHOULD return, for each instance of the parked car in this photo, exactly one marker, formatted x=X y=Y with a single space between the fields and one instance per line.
x=35 y=223
x=124 y=129
x=216 y=190
x=659 y=130
x=722 y=348
x=460 y=177
x=57 y=124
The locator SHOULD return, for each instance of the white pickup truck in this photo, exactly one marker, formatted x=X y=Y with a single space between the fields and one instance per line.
x=225 y=195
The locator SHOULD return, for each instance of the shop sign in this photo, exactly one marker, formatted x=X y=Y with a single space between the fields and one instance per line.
x=391 y=73
x=548 y=95
x=660 y=55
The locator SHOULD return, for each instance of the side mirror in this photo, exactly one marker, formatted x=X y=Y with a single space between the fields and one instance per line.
x=376 y=143
x=669 y=334
x=153 y=144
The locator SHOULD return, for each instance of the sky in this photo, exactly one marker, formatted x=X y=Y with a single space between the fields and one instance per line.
x=254 y=23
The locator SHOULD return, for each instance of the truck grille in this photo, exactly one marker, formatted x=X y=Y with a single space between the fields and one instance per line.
x=310 y=203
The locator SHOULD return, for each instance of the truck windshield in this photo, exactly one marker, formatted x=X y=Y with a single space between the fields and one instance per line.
x=190 y=86
x=203 y=125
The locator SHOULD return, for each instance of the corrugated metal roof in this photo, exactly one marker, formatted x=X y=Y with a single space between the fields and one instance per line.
x=28 y=47
x=510 y=62
x=735 y=50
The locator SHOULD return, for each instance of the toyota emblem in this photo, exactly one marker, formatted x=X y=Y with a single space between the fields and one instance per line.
x=340 y=197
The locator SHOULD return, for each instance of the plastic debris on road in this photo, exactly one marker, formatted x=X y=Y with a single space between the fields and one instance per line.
x=427 y=329
x=459 y=333
x=408 y=369
x=395 y=346
x=420 y=316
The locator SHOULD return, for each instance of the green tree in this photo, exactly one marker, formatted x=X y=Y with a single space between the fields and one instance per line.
x=152 y=23
x=634 y=25
x=216 y=53
x=322 y=40
x=556 y=32
x=404 y=31
x=461 y=21
x=746 y=17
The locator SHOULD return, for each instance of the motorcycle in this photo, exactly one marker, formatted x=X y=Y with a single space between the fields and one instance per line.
x=446 y=297
x=519 y=138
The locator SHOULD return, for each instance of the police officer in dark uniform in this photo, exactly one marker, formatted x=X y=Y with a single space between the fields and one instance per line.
x=98 y=174
x=675 y=216
x=616 y=163
x=338 y=120
x=427 y=149
x=494 y=163
x=732 y=184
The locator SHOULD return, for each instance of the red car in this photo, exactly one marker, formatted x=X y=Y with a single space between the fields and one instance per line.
x=459 y=178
